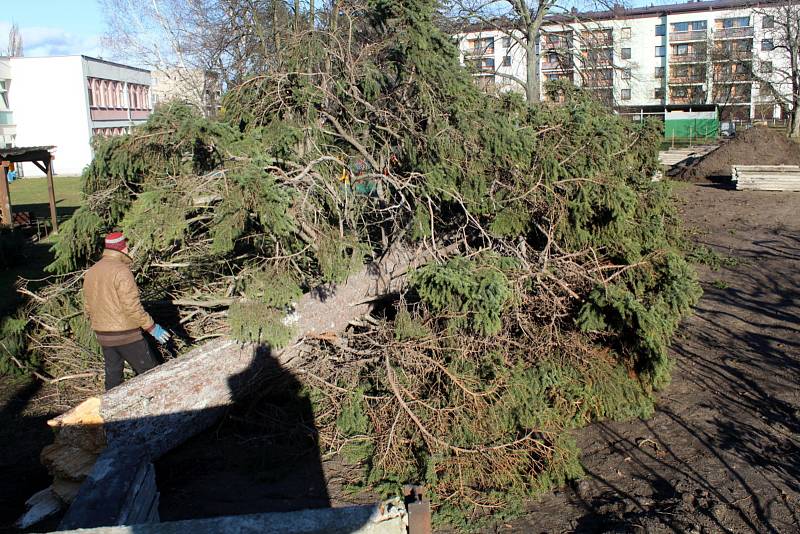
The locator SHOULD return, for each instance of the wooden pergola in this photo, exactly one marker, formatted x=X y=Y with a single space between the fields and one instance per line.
x=42 y=157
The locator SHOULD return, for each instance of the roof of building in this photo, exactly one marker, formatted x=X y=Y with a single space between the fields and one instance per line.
x=107 y=62
x=84 y=56
x=668 y=9
x=621 y=12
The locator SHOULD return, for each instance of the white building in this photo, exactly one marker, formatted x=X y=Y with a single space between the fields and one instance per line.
x=658 y=57
x=64 y=101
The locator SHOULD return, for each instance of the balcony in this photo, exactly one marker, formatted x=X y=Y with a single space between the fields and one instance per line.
x=562 y=65
x=721 y=55
x=601 y=83
x=696 y=57
x=693 y=99
x=597 y=39
x=557 y=44
x=733 y=33
x=678 y=37
x=687 y=80
x=599 y=42
x=732 y=99
x=597 y=61
x=732 y=77
x=479 y=51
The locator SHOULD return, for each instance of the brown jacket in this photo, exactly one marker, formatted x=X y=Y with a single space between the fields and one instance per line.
x=111 y=301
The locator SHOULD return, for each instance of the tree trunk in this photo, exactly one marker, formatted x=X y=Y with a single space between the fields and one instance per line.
x=164 y=407
x=794 y=122
x=532 y=71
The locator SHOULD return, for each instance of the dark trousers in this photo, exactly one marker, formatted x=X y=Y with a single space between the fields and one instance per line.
x=137 y=354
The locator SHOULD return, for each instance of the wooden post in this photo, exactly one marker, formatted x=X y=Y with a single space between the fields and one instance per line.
x=51 y=191
x=5 y=197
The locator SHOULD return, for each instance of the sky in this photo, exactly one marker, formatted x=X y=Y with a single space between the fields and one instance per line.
x=54 y=27
x=66 y=27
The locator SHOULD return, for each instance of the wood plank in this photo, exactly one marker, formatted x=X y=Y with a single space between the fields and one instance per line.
x=385 y=518
x=67 y=462
x=107 y=494
x=51 y=192
x=6 y=216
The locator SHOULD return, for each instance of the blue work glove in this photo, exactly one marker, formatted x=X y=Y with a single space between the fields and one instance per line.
x=160 y=335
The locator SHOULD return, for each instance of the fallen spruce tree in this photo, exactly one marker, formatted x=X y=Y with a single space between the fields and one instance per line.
x=551 y=284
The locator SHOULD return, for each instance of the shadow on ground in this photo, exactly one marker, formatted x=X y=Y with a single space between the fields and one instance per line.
x=262 y=455
x=722 y=453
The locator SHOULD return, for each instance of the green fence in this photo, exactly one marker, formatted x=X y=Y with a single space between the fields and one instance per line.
x=691 y=129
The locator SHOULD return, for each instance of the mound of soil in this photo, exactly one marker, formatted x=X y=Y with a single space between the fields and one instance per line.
x=756 y=146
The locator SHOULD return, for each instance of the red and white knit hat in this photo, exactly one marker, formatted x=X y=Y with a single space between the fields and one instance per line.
x=116 y=241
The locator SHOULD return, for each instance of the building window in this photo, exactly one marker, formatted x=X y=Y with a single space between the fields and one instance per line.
x=661 y=51
x=506 y=42
x=699 y=25
x=766 y=45
x=625 y=94
x=626 y=74
x=659 y=72
x=680 y=27
x=3 y=94
x=626 y=53
x=768 y=22
x=764 y=89
x=659 y=93
x=625 y=33
x=765 y=67
x=681 y=50
x=552 y=58
x=738 y=22
x=506 y=61
x=661 y=29
x=552 y=76
x=680 y=92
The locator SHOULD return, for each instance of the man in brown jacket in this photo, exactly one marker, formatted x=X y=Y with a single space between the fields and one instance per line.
x=111 y=301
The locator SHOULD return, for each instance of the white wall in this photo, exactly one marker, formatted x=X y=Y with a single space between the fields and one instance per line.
x=50 y=108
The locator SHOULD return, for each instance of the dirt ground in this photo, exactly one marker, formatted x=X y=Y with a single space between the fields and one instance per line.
x=721 y=454
x=756 y=146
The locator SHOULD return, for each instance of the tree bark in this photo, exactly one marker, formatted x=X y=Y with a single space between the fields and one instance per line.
x=532 y=67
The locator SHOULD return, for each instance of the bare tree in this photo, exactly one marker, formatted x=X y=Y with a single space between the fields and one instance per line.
x=14 y=42
x=781 y=74
x=526 y=22
x=519 y=20
x=184 y=39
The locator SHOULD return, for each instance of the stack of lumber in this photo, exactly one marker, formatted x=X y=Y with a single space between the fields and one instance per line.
x=766 y=177
x=120 y=489
x=674 y=156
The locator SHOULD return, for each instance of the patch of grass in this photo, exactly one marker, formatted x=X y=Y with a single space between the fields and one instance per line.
x=30 y=194
x=720 y=284
x=703 y=255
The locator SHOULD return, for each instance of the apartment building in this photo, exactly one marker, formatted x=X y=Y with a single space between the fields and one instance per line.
x=197 y=87
x=64 y=101
x=646 y=59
